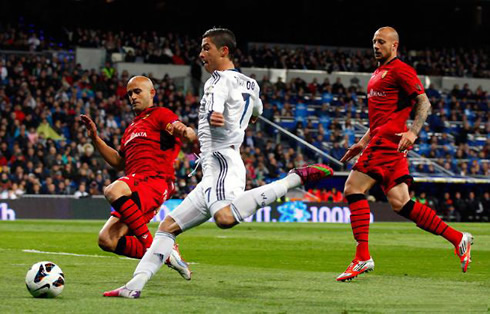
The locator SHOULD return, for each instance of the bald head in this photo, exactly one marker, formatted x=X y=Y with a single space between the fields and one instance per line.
x=390 y=32
x=385 y=44
x=141 y=92
x=139 y=79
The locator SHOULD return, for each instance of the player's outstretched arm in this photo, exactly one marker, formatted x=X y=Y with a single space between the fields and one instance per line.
x=422 y=108
x=110 y=155
x=184 y=132
x=357 y=148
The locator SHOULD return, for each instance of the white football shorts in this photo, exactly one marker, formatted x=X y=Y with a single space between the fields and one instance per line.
x=224 y=178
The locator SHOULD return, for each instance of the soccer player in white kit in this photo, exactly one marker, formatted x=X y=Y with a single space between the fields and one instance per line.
x=230 y=101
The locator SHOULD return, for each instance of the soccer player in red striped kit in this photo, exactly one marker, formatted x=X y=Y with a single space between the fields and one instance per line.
x=394 y=90
x=149 y=147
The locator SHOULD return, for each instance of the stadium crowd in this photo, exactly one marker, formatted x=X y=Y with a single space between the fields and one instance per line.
x=327 y=115
x=43 y=149
x=457 y=206
x=174 y=48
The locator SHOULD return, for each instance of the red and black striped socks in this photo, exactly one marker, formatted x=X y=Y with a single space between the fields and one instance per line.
x=426 y=219
x=359 y=220
x=130 y=246
x=134 y=218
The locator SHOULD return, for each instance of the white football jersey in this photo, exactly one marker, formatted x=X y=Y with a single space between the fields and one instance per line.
x=236 y=96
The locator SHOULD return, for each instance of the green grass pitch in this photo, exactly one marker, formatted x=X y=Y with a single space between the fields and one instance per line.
x=252 y=268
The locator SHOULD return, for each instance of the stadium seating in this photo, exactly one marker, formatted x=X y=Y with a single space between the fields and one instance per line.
x=43 y=149
x=171 y=48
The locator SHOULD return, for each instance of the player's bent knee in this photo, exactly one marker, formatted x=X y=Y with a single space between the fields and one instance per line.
x=225 y=224
x=110 y=193
x=115 y=190
x=106 y=244
x=169 y=225
x=397 y=205
x=351 y=189
x=224 y=219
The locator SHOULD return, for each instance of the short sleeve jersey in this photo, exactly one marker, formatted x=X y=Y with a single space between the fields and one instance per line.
x=148 y=144
x=391 y=93
x=236 y=96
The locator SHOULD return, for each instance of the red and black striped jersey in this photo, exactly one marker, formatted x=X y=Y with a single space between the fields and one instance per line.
x=391 y=93
x=148 y=144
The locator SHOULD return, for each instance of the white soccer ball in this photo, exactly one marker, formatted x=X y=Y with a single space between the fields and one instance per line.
x=45 y=280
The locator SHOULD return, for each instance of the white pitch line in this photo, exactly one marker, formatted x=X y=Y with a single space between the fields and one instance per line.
x=84 y=255
x=64 y=253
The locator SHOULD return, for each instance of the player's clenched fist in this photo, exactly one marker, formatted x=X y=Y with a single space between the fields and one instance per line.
x=217 y=119
x=90 y=125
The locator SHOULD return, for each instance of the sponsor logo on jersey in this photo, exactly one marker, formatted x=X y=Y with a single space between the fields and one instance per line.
x=135 y=135
x=375 y=93
x=239 y=81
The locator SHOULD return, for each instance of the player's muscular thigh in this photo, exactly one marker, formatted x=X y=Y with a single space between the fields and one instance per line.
x=358 y=183
x=115 y=190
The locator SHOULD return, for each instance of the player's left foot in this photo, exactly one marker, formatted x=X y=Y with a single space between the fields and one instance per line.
x=313 y=173
x=175 y=261
x=356 y=268
x=123 y=292
x=464 y=250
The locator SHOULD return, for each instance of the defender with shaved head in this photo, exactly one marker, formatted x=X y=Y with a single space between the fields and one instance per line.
x=393 y=92
x=149 y=147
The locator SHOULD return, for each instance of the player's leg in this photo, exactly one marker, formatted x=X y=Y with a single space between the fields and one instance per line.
x=247 y=203
x=113 y=230
x=354 y=190
x=113 y=238
x=427 y=219
x=119 y=195
x=190 y=213
x=151 y=262
x=114 y=235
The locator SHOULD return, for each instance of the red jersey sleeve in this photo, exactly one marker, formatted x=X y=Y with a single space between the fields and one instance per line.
x=165 y=119
x=409 y=81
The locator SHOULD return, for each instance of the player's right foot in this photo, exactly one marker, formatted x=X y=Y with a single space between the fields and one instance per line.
x=464 y=250
x=313 y=173
x=123 y=292
x=356 y=268
x=175 y=261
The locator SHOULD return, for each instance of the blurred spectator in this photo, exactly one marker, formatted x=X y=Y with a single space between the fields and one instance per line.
x=422 y=199
x=483 y=212
x=460 y=207
x=108 y=70
x=334 y=196
x=81 y=192
x=472 y=206
x=94 y=188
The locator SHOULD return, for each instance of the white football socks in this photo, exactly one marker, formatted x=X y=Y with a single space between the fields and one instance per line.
x=157 y=254
x=247 y=203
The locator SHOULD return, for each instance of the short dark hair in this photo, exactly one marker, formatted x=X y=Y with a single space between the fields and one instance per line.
x=222 y=37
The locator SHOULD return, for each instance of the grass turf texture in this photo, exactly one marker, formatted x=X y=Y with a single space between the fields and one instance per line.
x=254 y=268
